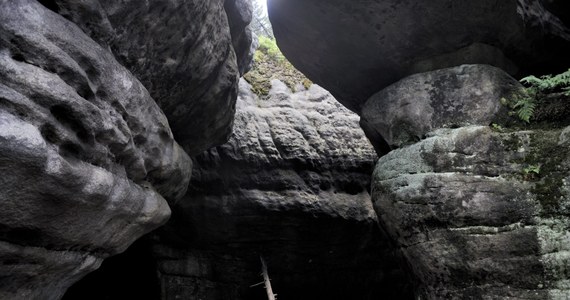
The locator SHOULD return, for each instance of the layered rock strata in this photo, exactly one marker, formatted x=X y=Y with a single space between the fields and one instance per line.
x=479 y=211
x=291 y=186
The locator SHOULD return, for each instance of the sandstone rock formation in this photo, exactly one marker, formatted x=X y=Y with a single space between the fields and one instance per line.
x=90 y=89
x=478 y=211
x=188 y=55
x=87 y=156
x=356 y=48
x=291 y=185
x=473 y=217
x=404 y=112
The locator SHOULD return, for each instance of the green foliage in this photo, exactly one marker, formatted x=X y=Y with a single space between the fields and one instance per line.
x=497 y=127
x=532 y=169
x=532 y=172
x=525 y=103
x=525 y=108
x=269 y=63
x=269 y=47
x=548 y=83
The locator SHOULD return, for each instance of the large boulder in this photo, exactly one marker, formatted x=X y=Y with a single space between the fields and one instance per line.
x=356 y=48
x=480 y=213
x=188 y=55
x=404 y=112
x=88 y=160
x=291 y=186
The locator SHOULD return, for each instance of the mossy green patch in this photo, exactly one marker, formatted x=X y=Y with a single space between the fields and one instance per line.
x=551 y=157
x=543 y=164
x=268 y=64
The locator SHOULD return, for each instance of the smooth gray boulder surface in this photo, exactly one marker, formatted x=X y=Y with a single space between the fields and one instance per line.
x=479 y=213
x=356 y=48
x=404 y=112
x=291 y=185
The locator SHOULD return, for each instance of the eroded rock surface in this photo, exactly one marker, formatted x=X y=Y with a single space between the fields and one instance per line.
x=356 y=48
x=88 y=160
x=291 y=185
x=188 y=54
x=474 y=216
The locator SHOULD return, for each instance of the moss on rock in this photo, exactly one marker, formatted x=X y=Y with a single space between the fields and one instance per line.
x=268 y=64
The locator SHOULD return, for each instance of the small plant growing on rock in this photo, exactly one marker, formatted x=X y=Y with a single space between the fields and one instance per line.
x=525 y=103
x=496 y=127
x=548 y=83
x=531 y=172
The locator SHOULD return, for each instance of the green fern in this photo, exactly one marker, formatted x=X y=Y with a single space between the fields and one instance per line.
x=549 y=83
x=525 y=107
x=525 y=103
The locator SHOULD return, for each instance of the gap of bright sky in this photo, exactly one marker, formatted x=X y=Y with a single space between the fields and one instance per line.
x=263 y=3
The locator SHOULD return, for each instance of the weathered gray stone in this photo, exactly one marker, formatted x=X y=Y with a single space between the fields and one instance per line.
x=239 y=16
x=404 y=112
x=291 y=185
x=472 y=220
x=87 y=158
x=356 y=48
x=188 y=55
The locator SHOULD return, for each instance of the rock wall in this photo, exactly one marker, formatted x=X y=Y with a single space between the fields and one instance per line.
x=476 y=202
x=291 y=185
x=472 y=220
x=475 y=199
x=89 y=162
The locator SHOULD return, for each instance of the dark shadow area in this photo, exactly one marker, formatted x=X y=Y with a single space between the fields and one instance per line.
x=129 y=275
x=50 y=4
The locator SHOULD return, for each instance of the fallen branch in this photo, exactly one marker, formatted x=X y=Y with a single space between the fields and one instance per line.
x=254 y=285
x=266 y=280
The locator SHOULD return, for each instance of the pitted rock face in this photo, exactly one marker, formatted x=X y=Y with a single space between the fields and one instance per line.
x=470 y=217
x=291 y=185
x=404 y=112
x=356 y=48
x=88 y=160
x=188 y=54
